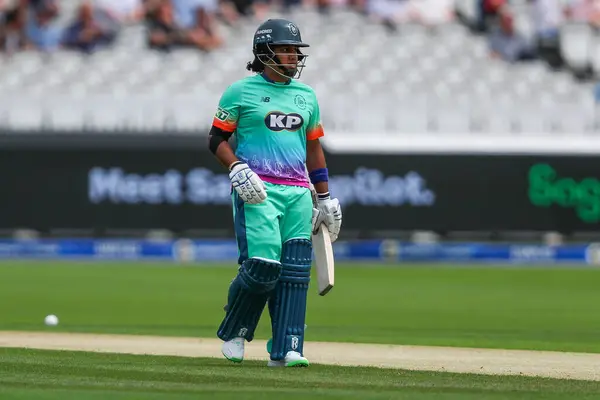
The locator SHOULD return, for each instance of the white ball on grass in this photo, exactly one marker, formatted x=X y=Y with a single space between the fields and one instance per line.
x=51 y=320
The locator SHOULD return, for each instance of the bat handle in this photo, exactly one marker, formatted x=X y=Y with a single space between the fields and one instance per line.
x=313 y=194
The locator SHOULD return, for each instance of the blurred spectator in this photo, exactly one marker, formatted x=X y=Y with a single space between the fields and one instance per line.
x=389 y=12
x=41 y=27
x=92 y=30
x=256 y=8
x=597 y=93
x=431 y=12
x=548 y=16
x=6 y=6
x=488 y=13
x=322 y=6
x=508 y=44
x=163 y=33
x=197 y=18
x=12 y=28
x=359 y=6
x=123 y=11
x=228 y=12
x=584 y=11
x=48 y=7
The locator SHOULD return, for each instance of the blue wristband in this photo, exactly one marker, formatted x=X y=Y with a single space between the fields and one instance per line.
x=319 y=175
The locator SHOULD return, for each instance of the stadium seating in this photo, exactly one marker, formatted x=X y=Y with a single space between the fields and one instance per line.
x=417 y=80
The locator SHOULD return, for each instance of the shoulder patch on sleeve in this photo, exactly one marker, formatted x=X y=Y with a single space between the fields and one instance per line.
x=222 y=114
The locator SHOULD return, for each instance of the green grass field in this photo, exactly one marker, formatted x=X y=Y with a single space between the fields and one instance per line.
x=543 y=309
x=45 y=375
x=519 y=308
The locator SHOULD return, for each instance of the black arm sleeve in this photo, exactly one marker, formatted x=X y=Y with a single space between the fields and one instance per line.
x=216 y=137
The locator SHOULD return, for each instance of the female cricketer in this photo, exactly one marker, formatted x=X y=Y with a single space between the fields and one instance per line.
x=277 y=126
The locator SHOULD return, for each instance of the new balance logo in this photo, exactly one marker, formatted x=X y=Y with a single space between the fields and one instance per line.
x=265 y=99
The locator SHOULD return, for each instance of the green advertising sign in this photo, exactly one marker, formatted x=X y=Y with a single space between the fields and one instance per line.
x=547 y=188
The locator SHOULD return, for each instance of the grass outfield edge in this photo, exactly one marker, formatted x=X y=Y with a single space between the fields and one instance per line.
x=548 y=364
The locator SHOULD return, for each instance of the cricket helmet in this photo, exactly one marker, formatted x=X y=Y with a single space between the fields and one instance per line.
x=277 y=32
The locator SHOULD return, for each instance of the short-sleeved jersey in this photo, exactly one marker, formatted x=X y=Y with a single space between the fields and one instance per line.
x=271 y=123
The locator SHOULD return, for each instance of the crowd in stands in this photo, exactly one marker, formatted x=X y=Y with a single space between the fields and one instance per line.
x=542 y=19
x=37 y=24
x=95 y=24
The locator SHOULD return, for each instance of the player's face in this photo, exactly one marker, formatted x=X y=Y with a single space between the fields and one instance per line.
x=287 y=55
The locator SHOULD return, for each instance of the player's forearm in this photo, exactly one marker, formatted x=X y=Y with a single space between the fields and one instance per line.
x=316 y=164
x=225 y=155
x=219 y=146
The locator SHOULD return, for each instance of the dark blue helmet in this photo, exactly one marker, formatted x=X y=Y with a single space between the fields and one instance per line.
x=278 y=32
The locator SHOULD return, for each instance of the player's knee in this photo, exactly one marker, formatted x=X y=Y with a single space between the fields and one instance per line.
x=296 y=258
x=260 y=275
x=297 y=252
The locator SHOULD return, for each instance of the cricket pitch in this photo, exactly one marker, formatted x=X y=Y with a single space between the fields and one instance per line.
x=562 y=365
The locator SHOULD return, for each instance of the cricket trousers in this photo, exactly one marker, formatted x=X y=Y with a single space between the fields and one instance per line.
x=262 y=229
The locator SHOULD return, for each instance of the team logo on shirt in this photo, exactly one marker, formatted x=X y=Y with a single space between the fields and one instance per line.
x=278 y=121
x=300 y=102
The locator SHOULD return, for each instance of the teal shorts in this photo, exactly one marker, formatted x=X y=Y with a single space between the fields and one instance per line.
x=261 y=229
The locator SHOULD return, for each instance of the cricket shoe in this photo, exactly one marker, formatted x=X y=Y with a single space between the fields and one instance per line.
x=233 y=350
x=292 y=359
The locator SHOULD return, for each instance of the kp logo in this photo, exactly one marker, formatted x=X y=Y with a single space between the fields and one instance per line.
x=278 y=121
x=294 y=343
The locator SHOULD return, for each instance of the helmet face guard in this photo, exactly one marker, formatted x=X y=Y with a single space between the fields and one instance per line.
x=268 y=56
x=279 y=32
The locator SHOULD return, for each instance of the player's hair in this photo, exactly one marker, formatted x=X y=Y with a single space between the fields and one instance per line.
x=255 y=66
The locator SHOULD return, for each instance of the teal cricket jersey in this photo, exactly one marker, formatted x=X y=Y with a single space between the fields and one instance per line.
x=271 y=122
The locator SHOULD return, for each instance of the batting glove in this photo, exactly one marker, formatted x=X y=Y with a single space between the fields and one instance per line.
x=247 y=184
x=317 y=219
x=331 y=212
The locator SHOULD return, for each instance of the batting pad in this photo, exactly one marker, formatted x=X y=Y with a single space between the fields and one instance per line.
x=248 y=294
x=287 y=305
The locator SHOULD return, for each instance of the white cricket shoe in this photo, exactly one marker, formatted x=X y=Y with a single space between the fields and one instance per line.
x=292 y=359
x=233 y=350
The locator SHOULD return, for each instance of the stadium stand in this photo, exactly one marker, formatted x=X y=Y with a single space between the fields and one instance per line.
x=379 y=66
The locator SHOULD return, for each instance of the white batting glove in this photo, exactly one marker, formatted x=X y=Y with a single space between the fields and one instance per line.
x=247 y=184
x=317 y=219
x=331 y=213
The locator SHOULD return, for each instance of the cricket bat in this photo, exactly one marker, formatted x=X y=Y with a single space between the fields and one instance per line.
x=324 y=261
